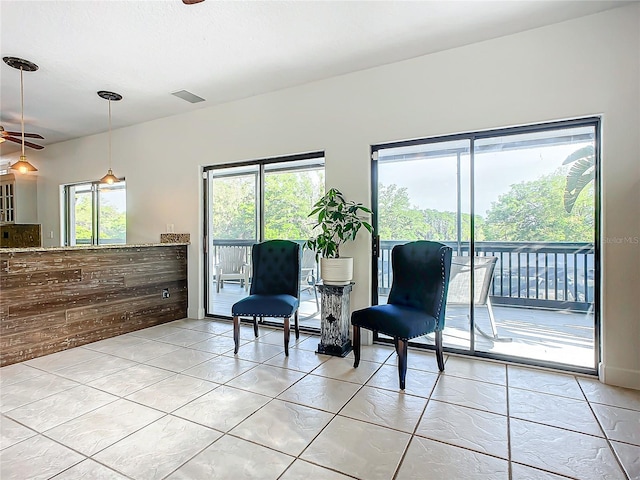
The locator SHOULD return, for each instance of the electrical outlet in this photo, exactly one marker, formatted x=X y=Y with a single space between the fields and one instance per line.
x=165 y=293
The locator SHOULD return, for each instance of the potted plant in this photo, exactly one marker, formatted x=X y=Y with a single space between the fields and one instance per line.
x=339 y=220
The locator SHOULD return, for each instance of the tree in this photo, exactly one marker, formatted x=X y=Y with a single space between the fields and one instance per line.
x=580 y=175
x=113 y=222
x=401 y=221
x=82 y=219
x=288 y=198
x=534 y=211
x=398 y=220
x=233 y=208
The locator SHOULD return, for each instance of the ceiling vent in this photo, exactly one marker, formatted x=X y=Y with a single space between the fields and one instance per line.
x=188 y=96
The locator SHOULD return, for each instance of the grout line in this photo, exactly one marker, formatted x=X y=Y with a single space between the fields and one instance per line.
x=561 y=475
x=606 y=437
x=271 y=398
x=415 y=429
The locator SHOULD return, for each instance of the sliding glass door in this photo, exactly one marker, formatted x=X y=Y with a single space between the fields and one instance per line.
x=262 y=200
x=519 y=208
x=423 y=193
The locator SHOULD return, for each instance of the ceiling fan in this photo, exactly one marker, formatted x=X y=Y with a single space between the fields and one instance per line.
x=16 y=137
x=23 y=165
x=191 y=2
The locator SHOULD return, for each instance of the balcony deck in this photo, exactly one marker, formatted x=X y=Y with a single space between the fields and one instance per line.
x=558 y=336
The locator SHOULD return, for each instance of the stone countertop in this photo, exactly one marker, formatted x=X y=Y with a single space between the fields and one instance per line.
x=89 y=247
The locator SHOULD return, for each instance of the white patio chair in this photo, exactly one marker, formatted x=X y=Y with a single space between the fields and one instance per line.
x=308 y=269
x=460 y=283
x=232 y=265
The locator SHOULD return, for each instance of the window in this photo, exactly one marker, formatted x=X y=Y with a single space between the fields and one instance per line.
x=523 y=202
x=252 y=202
x=95 y=214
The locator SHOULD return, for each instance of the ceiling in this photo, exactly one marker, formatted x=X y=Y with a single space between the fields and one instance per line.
x=221 y=50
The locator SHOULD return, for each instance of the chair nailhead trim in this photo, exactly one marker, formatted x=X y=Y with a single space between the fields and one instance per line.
x=444 y=250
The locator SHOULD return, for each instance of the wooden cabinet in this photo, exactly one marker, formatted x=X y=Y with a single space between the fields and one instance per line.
x=18 y=199
x=7 y=200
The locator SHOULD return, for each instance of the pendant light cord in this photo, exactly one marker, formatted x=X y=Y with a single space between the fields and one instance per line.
x=22 y=109
x=109 y=134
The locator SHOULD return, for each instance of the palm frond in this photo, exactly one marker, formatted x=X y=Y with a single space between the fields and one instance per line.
x=579 y=176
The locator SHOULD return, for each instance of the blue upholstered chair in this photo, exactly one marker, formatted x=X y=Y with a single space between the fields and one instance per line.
x=416 y=303
x=275 y=288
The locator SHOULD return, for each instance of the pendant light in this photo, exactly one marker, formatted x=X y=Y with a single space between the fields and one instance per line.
x=23 y=165
x=109 y=178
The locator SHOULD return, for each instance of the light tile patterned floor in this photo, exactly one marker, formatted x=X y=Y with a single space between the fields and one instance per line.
x=173 y=402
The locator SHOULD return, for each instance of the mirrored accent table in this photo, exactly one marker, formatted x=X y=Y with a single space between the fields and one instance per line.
x=335 y=319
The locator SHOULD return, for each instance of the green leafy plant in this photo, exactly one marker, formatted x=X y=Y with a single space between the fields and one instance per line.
x=581 y=173
x=339 y=221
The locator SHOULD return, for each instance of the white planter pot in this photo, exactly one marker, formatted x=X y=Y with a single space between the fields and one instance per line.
x=336 y=271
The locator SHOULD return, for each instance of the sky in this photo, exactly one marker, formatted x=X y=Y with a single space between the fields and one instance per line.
x=432 y=183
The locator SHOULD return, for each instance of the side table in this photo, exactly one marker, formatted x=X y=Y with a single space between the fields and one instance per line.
x=335 y=320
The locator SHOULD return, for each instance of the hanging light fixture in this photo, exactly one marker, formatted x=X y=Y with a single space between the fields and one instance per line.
x=23 y=165
x=115 y=97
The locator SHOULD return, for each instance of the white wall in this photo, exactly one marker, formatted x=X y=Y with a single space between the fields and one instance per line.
x=589 y=66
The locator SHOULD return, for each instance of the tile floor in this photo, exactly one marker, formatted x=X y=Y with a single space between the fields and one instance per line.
x=173 y=402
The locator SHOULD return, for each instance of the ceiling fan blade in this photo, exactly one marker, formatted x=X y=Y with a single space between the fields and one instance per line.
x=26 y=144
x=27 y=135
x=191 y=2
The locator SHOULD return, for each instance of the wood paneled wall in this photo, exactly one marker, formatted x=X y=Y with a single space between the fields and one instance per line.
x=51 y=300
x=17 y=235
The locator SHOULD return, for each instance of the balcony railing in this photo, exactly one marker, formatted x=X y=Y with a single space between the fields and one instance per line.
x=558 y=275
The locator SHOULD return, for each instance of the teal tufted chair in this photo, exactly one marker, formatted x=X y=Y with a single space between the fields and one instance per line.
x=416 y=303
x=275 y=288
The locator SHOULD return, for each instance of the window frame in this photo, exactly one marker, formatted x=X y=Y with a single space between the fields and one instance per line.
x=68 y=216
x=472 y=137
x=264 y=166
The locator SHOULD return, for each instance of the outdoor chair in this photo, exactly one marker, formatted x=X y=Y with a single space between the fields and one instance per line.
x=460 y=288
x=308 y=272
x=232 y=265
x=275 y=288
x=416 y=303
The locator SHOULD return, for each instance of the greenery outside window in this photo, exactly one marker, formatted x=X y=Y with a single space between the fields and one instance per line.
x=524 y=202
x=95 y=214
x=250 y=202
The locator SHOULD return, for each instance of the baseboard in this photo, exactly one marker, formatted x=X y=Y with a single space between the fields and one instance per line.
x=620 y=377
x=197 y=313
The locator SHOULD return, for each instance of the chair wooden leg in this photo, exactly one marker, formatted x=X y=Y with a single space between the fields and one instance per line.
x=439 y=355
x=356 y=346
x=402 y=361
x=286 y=336
x=236 y=333
x=297 y=325
x=395 y=344
x=255 y=326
